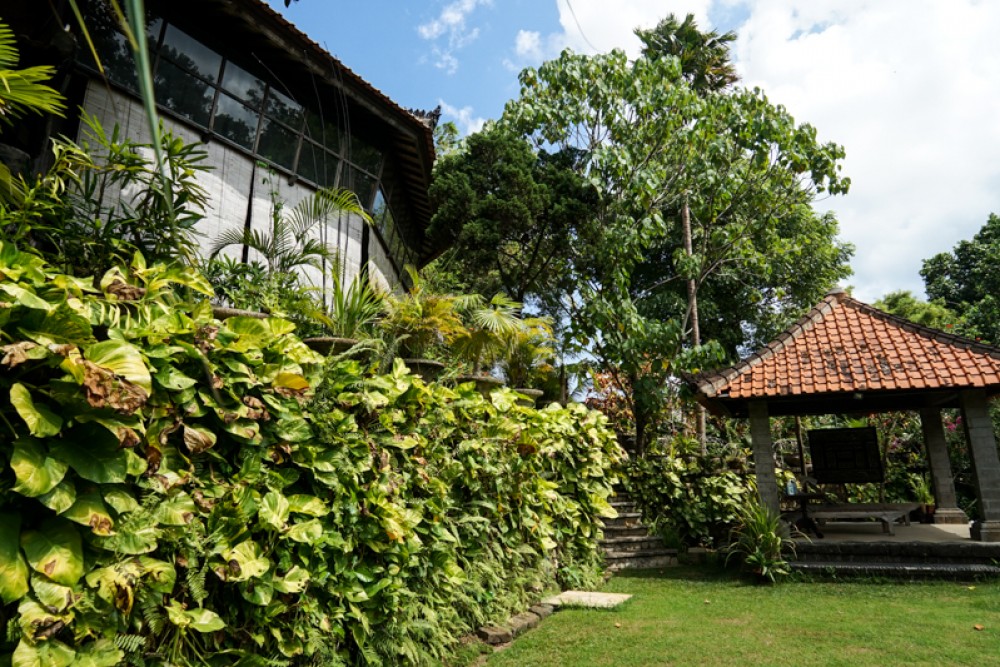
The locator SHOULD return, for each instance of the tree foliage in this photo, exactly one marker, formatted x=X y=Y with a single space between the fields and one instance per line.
x=967 y=282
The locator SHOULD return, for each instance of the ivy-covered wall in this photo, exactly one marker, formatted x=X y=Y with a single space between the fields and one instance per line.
x=179 y=490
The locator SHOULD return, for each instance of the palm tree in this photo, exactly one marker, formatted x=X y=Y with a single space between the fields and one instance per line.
x=291 y=242
x=491 y=329
x=704 y=56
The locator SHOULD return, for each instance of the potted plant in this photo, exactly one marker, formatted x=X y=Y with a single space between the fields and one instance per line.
x=351 y=315
x=526 y=362
x=420 y=323
x=486 y=337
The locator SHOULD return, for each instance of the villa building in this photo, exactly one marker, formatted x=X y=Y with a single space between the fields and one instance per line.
x=278 y=116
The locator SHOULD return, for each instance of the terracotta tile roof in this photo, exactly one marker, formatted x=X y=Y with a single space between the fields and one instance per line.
x=844 y=345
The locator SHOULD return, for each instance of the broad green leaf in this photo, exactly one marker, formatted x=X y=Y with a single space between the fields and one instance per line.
x=308 y=532
x=311 y=505
x=292 y=381
x=53 y=596
x=13 y=570
x=120 y=499
x=198 y=439
x=249 y=560
x=41 y=421
x=294 y=581
x=172 y=379
x=177 y=510
x=89 y=510
x=257 y=592
x=274 y=510
x=116 y=584
x=123 y=359
x=60 y=498
x=160 y=575
x=93 y=453
x=61 y=325
x=133 y=542
x=26 y=297
x=51 y=653
x=55 y=550
x=36 y=473
x=205 y=620
x=294 y=430
x=101 y=653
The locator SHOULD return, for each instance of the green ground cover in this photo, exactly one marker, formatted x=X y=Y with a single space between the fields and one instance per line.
x=688 y=616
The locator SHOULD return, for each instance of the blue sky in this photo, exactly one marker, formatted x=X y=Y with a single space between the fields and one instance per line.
x=911 y=88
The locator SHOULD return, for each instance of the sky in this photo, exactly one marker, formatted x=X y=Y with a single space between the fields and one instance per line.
x=910 y=88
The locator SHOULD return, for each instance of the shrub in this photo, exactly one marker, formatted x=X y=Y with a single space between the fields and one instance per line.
x=180 y=490
x=759 y=543
x=695 y=498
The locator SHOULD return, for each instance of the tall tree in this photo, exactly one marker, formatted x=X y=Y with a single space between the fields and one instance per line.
x=967 y=281
x=649 y=142
x=703 y=56
x=510 y=214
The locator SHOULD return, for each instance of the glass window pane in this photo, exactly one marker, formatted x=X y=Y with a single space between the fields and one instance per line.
x=243 y=85
x=284 y=108
x=362 y=185
x=191 y=54
x=323 y=131
x=277 y=143
x=112 y=48
x=317 y=165
x=365 y=156
x=154 y=26
x=379 y=209
x=182 y=93
x=235 y=121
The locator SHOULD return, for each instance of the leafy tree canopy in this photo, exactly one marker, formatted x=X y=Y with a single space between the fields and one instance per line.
x=934 y=314
x=966 y=281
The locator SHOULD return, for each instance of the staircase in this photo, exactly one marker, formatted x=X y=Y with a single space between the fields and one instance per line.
x=959 y=561
x=628 y=544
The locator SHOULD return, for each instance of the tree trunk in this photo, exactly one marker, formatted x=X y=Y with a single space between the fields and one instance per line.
x=692 y=291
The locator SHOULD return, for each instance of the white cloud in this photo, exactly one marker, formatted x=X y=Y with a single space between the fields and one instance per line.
x=450 y=32
x=597 y=26
x=464 y=118
x=910 y=89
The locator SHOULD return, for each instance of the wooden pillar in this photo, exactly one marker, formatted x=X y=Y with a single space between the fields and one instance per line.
x=947 y=509
x=763 y=455
x=985 y=464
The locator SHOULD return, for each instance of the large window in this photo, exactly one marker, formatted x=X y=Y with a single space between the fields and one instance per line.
x=197 y=83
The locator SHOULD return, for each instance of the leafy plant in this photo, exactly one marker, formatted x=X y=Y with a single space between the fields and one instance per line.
x=421 y=321
x=527 y=361
x=103 y=200
x=292 y=243
x=490 y=329
x=695 y=497
x=760 y=542
x=23 y=90
x=354 y=310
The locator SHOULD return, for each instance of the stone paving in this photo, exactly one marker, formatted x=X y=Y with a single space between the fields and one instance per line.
x=587 y=599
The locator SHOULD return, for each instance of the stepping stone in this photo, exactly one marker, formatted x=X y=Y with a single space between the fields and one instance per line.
x=588 y=599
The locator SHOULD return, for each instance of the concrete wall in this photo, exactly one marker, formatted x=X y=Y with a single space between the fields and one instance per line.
x=234 y=175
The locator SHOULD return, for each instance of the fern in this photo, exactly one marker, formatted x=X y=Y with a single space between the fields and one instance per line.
x=152 y=613
x=130 y=643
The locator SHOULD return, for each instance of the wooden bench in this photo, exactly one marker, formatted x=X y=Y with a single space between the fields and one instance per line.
x=887 y=513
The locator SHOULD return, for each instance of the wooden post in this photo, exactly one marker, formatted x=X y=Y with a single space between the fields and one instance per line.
x=763 y=455
x=985 y=464
x=947 y=509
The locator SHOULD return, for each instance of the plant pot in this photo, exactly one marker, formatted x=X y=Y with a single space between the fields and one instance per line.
x=528 y=396
x=330 y=344
x=927 y=513
x=223 y=313
x=484 y=383
x=428 y=369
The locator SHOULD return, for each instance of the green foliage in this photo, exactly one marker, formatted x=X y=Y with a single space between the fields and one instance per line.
x=903 y=303
x=966 y=281
x=703 y=56
x=180 y=490
x=694 y=498
x=760 y=542
x=104 y=200
x=421 y=321
x=23 y=90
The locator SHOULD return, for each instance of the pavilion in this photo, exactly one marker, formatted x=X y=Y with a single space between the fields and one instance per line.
x=846 y=357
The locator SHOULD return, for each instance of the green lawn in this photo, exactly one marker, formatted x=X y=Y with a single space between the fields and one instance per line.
x=688 y=616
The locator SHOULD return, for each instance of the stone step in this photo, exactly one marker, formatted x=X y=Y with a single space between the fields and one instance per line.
x=641 y=560
x=612 y=532
x=626 y=519
x=644 y=543
x=951 y=571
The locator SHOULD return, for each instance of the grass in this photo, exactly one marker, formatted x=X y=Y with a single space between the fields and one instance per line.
x=697 y=616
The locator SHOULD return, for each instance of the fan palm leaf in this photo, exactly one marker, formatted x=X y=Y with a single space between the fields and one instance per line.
x=23 y=90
